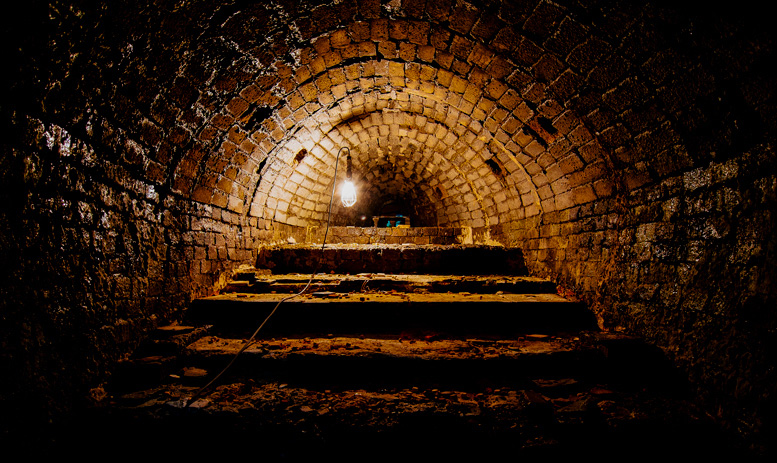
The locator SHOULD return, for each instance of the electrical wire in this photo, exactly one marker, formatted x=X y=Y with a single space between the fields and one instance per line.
x=312 y=276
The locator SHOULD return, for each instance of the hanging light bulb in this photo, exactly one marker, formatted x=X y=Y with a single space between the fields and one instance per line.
x=348 y=191
x=348 y=194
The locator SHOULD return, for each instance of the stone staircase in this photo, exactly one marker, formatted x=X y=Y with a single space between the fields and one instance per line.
x=397 y=352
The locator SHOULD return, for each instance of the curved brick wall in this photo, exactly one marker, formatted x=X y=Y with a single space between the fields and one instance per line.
x=626 y=147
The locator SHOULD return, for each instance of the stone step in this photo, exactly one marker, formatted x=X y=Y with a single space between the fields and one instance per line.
x=394 y=313
x=253 y=281
x=533 y=393
x=346 y=362
x=336 y=362
x=497 y=395
x=473 y=362
x=396 y=259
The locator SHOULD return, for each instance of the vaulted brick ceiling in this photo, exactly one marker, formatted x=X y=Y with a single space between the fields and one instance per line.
x=464 y=117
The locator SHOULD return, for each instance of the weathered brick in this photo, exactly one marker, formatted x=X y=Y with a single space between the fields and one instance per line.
x=418 y=32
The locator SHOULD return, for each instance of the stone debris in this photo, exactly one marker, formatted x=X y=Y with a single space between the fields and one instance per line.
x=192 y=372
x=535 y=388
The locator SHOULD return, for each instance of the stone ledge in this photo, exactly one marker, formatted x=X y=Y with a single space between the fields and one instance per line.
x=397 y=259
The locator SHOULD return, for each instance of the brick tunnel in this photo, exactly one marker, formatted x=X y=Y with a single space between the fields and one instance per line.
x=151 y=149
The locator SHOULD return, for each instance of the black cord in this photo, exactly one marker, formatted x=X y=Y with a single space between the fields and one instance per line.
x=312 y=276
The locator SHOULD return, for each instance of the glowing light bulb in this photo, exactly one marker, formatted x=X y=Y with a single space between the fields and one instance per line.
x=348 y=194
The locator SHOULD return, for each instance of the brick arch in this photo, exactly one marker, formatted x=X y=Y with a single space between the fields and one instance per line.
x=484 y=72
x=502 y=74
x=518 y=136
x=428 y=145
